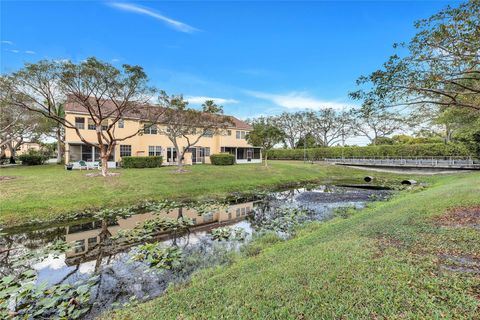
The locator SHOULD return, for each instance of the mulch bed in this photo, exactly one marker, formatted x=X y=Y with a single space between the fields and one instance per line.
x=6 y=178
x=110 y=174
x=460 y=217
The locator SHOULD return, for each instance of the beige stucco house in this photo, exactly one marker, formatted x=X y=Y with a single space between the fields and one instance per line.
x=152 y=142
x=24 y=148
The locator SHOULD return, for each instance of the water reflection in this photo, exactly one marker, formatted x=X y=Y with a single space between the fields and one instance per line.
x=92 y=240
x=99 y=247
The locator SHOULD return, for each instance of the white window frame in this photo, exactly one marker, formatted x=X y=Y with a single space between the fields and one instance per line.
x=154 y=151
x=122 y=152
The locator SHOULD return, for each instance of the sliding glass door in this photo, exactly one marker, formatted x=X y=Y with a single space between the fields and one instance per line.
x=171 y=155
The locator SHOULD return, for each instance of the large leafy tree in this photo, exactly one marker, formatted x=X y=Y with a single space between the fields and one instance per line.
x=441 y=67
x=106 y=94
x=180 y=123
x=294 y=126
x=376 y=122
x=17 y=126
x=329 y=127
x=38 y=87
x=265 y=134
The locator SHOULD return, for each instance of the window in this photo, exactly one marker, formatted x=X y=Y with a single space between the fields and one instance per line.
x=91 y=124
x=125 y=150
x=207 y=151
x=171 y=155
x=208 y=133
x=150 y=129
x=80 y=122
x=238 y=212
x=89 y=153
x=240 y=134
x=121 y=124
x=79 y=246
x=92 y=241
x=243 y=211
x=229 y=132
x=208 y=217
x=154 y=151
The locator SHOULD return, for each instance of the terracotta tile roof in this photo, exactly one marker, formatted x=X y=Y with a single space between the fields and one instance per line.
x=239 y=124
x=139 y=112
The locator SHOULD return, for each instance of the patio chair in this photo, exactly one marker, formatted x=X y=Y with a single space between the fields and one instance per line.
x=83 y=165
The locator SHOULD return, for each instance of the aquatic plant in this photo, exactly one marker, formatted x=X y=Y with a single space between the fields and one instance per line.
x=280 y=219
x=21 y=297
x=228 y=233
x=157 y=256
x=344 y=212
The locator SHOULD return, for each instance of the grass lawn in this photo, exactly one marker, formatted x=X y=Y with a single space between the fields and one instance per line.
x=47 y=192
x=387 y=261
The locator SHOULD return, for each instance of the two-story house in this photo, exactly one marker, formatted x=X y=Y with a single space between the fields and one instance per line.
x=152 y=142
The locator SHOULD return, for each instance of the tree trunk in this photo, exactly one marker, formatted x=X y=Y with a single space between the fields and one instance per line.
x=13 y=152
x=104 y=159
x=104 y=155
x=59 y=146
x=266 y=158
x=179 y=156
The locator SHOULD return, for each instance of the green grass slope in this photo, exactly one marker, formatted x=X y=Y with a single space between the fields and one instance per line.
x=383 y=262
x=49 y=191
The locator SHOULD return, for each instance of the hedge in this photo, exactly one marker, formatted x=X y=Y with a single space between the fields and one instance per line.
x=222 y=159
x=33 y=158
x=403 y=150
x=141 y=162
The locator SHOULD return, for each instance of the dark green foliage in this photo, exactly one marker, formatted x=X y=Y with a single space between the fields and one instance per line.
x=156 y=256
x=401 y=150
x=222 y=159
x=33 y=158
x=229 y=234
x=141 y=162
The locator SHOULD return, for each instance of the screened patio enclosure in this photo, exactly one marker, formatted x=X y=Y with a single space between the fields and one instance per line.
x=89 y=154
x=245 y=154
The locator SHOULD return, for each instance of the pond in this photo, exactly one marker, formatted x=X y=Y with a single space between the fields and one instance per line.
x=124 y=256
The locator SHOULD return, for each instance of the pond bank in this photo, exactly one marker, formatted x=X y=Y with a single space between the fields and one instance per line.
x=383 y=262
x=101 y=249
x=50 y=193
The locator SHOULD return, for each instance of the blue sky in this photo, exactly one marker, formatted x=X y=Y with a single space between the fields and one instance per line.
x=254 y=57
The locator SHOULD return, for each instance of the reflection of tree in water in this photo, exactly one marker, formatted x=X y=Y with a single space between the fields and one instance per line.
x=16 y=245
x=115 y=276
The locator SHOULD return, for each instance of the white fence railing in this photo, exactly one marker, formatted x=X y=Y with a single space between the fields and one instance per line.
x=411 y=161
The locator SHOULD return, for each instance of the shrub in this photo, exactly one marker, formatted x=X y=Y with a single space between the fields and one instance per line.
x=222 y=159
x=141 y=162
x=33 y=158
x=400 y=150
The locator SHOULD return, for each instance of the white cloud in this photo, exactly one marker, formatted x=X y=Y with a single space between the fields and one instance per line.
x=62 y=60
x=7 y=42
x=12 y=50
x=201 y=99
x=30 y=52
x=115 y=60
x=178 y=25
x=298 y=100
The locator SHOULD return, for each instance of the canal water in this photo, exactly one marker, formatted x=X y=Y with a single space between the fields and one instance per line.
x=96 y=250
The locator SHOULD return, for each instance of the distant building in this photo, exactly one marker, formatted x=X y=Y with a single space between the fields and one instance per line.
x=23 y=148
x=152 y=142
